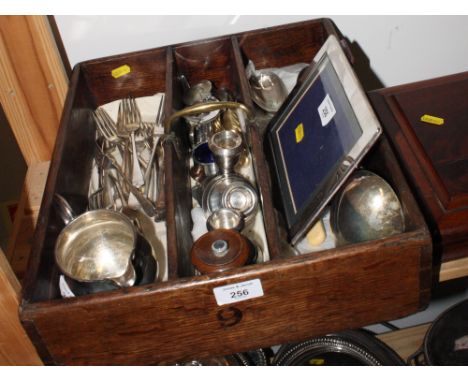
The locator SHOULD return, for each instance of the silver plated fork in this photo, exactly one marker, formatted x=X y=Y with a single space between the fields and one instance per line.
x=128 y=122
x=106 y=126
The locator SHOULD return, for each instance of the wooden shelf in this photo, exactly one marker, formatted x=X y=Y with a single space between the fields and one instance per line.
x=453 y=269
x=405 y=341
x=19 y=245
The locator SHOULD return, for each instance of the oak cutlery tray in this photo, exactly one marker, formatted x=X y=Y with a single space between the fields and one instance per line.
x=291 y=297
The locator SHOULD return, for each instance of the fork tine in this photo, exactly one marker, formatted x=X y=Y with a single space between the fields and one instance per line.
x=108 y=120
x=106 y=125
x=123 y=112
x=103 y=117
x=121 y=131
x=100 y=126
x=135 y=111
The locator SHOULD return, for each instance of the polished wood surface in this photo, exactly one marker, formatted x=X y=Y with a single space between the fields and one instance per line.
x=446 y=146
x=331 y=290
x=236 y=253
x=33 y=84
x=434 y=157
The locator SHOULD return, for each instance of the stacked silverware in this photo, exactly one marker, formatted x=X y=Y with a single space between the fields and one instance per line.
x=128 y=158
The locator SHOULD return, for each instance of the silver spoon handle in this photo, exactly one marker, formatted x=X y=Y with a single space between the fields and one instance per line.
x=137 y=175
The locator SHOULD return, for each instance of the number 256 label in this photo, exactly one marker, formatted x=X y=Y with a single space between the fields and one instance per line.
x=231 y=293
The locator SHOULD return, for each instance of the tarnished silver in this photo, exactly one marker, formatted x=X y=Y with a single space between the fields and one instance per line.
x=95 y=200
x=106 y=126
x=268 y=91
x=242 y=197
x=197 y=93
x=128 y=122
x=230 y=191
x=149 y=166
x=202 y=126
x=96 y=245
x=225 y=218
x=366 y=208
x=220 y=247
x=145 y=203
x=226 y=147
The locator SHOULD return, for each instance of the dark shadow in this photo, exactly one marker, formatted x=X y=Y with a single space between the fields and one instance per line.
x=14 y=169
x=450 y=287
x=362 y=68
x=61 y=48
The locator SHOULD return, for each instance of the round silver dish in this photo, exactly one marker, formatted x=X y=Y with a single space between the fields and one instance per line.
x=225 y=218
x=230 y=191
x=366 y=209
x=240 y=197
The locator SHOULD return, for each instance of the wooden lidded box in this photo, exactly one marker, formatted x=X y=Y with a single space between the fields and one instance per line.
x=303 y=296
x=433 y=153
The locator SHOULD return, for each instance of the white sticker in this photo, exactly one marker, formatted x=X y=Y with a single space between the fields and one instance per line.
x=231 y=293
x=326 y=110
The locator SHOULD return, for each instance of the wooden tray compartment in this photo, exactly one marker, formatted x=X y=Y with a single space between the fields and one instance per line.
x=328 y=291
x=213 y=60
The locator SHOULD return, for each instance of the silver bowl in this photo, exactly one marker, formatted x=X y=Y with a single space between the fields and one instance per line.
x=225 y=218
x=366 y=209
x=98 y=245
x=230 y=191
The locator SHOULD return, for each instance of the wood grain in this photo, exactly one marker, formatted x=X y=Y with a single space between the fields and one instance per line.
x=15 y=346
x=33 y=84
x=405 y=341
x=453 y=269
x=325 y=292
x=19 y=244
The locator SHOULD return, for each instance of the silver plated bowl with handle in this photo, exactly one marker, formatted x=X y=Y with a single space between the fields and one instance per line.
x=96 y=245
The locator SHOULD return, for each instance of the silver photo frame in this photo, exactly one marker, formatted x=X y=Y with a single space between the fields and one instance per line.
x=319 y=137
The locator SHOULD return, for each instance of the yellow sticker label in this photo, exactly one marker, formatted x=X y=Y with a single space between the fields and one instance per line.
x=299 y=132
x=432 y=120
x=121 y=71
x=316 y=361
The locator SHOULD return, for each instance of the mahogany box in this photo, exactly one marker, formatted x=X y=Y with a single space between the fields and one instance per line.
x=426 y=123
x=167 y=322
